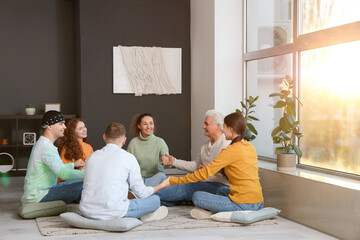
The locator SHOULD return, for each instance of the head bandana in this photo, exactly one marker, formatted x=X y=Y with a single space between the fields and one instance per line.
x=51 y=117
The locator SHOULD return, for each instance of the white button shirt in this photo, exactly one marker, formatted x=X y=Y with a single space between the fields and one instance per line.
x=109 y=174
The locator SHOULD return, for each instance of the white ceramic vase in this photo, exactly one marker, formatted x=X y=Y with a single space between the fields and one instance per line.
x=30 y=111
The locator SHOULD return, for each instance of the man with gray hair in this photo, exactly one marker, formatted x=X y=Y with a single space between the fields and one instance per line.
x=217 y=184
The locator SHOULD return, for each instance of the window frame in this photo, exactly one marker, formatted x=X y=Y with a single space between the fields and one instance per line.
x=345 y=33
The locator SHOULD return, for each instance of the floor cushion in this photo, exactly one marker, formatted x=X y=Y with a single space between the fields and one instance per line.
x=42 y=209
x=116 y=225
x=246 y=217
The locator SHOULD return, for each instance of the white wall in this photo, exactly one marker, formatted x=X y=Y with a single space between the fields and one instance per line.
x=202 y=68
x=228 y=55
x=216 y=61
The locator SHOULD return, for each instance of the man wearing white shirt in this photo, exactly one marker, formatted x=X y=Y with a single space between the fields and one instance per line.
x=110 y=173
x=217 y=184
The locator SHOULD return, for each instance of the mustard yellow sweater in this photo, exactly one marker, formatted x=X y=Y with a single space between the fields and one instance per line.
x=239 y=161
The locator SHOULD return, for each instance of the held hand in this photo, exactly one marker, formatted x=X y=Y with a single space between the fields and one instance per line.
x=80 y=164
x=164 y=160
x=167 y=160
x=165 y=183
x=202 y=166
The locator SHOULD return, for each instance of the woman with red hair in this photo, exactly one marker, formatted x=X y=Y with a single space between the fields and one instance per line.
x=74 y=145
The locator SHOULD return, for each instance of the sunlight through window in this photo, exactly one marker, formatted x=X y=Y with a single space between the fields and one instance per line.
x=330 y=117
x=321 y=14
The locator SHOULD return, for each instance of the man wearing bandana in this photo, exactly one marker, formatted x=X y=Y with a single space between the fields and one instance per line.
x=45 y=166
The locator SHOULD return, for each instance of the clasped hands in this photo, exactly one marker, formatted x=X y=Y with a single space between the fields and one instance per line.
x=79 y=164
x=167 y=160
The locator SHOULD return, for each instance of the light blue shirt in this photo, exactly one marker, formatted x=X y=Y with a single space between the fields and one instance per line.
x=110 y=172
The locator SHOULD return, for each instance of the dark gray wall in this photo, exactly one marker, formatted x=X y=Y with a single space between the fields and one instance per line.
x=36 y=55
x=105 y=24
x=61 y=51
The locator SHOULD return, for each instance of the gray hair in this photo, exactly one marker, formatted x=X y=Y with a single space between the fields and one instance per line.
x=218 y=117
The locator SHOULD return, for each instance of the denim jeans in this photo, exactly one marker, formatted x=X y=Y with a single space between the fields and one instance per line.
x=69 y=191
x=141 y=206
x=176 y=194
x=217 y=203
x=154 y=180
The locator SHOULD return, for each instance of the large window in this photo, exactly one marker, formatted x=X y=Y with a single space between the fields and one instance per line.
x=318 y=47
x=269 y=23
x=320 y=14
x=266 y=75
x=330 y=117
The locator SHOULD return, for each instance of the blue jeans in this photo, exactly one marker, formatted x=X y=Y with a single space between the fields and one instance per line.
x=216 y=203
x=176 y=194
x=154 y=180
x=141 y=206
x=69 y=191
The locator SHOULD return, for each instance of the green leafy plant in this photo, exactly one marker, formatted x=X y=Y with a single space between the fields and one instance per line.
x=30 y=106
x=247 y=106
x=288 y=129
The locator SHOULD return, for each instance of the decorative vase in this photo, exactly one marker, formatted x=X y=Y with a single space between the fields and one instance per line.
x=286 y=162
x=30 y=111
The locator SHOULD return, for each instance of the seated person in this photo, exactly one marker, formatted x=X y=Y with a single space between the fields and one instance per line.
x=110 y=172
x=74 y=145
x=45 y=166
x=239 y=161
x=147 y=148
x=217 y=184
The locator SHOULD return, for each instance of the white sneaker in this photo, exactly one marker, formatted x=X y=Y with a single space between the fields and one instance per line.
x=160 y=213
x=199 y=213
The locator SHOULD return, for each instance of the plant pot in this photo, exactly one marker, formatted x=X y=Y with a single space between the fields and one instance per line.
x=30 y=111
x=286 y=162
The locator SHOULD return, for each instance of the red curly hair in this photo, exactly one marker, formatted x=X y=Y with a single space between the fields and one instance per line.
x=69 y=142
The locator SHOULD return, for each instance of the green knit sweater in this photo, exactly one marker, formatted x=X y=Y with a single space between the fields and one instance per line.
x=148 y=152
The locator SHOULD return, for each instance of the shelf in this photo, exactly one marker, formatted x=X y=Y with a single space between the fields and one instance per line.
x=12 y=128
x=25 y=146
x=13 y=117
x=15 y=145
x=8 y=146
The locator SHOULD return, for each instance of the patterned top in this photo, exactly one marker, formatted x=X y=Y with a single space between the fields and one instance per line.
x=44 y=167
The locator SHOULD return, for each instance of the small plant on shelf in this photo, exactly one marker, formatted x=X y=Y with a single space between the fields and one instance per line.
x=30 y=106
x=288 y=129
x=30 y=109
x=247 y=110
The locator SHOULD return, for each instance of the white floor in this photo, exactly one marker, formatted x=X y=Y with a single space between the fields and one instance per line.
x=14 y=227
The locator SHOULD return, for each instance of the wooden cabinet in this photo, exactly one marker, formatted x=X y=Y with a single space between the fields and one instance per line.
x=12 y=129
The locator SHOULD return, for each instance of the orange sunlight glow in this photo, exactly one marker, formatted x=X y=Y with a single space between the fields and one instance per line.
x=337 y=71
x=330 y=117
x=321 y=14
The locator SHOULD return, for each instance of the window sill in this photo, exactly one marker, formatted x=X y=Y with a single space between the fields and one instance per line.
x=314 y=175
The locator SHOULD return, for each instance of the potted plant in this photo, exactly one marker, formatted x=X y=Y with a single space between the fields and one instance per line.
x=30 y=109
x=288 y=130
x=247 y=105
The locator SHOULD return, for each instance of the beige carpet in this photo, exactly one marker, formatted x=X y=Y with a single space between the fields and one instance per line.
x=178 y=218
